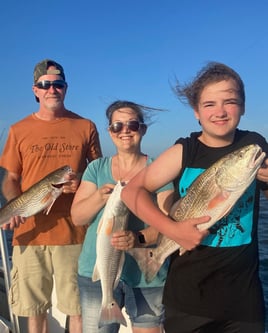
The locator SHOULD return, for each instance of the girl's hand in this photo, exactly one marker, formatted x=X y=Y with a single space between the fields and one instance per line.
x=262 y=173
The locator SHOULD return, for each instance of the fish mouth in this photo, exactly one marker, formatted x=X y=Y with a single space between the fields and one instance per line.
x=68 y=171
x=258 y=157
x=60 y=185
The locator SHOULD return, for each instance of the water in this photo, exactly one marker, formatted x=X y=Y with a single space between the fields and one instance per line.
x=263 y=246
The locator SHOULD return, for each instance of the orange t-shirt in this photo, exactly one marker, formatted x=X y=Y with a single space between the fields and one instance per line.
x=35 y=148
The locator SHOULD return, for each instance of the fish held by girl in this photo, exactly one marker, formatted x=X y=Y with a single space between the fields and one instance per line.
x=214 y=193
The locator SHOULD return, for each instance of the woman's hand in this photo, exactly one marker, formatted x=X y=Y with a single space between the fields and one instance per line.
x=123 y=240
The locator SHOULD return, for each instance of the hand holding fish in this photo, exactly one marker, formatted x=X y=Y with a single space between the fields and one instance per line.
x=82 y=212
x=14 y=222
x=186 y=233
x=72 y=183
x=104 y=193
x=262 y=173
x=123 y=240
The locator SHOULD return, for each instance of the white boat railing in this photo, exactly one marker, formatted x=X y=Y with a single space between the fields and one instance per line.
x=13 y=323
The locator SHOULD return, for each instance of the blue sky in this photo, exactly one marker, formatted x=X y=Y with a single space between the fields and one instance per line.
x=115 y=49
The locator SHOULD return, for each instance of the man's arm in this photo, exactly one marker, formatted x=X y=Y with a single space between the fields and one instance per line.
x=11 y=188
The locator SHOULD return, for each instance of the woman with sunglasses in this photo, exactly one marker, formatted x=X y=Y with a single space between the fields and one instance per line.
x=142 y=301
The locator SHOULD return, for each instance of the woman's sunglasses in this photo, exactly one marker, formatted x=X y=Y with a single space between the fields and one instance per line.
x=133 y=125
x=58 y=84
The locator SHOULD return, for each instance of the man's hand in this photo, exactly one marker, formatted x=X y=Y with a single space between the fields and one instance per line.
x=72 y=185
x=14 y=222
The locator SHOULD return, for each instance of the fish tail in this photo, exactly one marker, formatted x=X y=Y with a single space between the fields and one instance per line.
x=111 y=313
x=147 y=262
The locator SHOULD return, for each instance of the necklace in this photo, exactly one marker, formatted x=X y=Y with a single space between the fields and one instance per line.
x=130 y=173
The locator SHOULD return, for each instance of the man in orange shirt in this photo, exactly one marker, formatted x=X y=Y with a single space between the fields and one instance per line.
x=47 y=245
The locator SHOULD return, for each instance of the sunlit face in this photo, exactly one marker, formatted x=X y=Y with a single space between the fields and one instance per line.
x=126 y=139
x=53 y=97
x=219 y=112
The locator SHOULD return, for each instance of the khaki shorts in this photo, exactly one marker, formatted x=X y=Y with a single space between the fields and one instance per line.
x=32 y=279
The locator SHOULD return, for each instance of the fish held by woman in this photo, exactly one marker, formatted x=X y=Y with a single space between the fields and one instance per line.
x=109 y=261
x=39 y=197
x=214 y=193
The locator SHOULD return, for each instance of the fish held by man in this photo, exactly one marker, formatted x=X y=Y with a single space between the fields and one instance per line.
x=214 y=193
x=110 y=261
x=39 y=197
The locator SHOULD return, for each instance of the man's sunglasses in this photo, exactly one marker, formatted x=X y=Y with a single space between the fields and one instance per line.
x=133 y=125
x=57 y=84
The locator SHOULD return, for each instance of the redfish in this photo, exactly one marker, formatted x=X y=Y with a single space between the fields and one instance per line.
x=39 y=197
x=214 y=193
x=110 y=261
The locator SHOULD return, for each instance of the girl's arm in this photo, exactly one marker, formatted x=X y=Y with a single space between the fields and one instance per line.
x=137 y=196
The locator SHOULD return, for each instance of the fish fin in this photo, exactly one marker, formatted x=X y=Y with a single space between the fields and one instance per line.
x=218 y=199
x=111 y=314
x=146 y=261
x=47 y=209
x=119 y=271
x=49 y=200
x=95 y=274
x=109 y=226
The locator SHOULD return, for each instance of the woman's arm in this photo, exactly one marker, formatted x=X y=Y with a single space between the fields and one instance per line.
x=88 y=201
